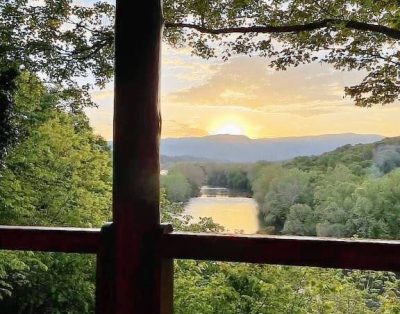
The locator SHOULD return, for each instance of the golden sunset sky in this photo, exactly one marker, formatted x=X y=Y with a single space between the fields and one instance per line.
x=244 y=96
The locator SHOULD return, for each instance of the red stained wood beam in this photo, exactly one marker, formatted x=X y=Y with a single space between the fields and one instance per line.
x=282 y=250
x=67 y=240
x=136 y=216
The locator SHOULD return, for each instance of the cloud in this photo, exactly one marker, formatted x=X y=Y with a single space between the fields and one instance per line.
x=199 y=96
x=250 y=83
x=106 y=94
x=180 y=70
x=173 y=128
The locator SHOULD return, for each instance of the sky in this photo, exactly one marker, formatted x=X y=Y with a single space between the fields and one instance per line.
x=245 y=96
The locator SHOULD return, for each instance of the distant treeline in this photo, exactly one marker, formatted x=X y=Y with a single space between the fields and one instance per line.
x=352 y=191
x=59 y=174
x=185 y=179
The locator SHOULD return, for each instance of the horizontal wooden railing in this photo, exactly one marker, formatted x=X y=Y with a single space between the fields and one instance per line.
x=50 y=239
x=282 y=250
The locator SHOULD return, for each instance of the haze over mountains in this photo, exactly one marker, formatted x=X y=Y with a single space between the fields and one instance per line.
x=239 y=148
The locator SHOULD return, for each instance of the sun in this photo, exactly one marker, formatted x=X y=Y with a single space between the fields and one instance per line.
x=229 y=128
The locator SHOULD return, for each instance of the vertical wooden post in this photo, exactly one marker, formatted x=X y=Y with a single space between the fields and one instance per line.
x=136 y=157
x=105 y=271
x=166 y=278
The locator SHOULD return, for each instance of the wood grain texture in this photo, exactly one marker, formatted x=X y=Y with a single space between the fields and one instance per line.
x=136 y=157
x=166 y=276
x=68 y=240
x=105 y=271
x=301 y=251
x=296 y=251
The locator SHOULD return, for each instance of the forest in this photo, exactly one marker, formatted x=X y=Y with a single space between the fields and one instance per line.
x=351 y=192
x=55 y=171
x=59 y=174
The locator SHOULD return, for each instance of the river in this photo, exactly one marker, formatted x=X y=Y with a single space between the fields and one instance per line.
x=234 y=213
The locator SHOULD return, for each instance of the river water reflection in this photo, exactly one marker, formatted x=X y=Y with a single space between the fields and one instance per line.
x=234 y=213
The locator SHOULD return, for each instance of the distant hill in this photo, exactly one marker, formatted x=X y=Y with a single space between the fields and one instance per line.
x=376 y=158
x=167 y=161
x=238 y=148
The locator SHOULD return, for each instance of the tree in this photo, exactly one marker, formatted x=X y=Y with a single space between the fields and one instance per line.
x=60 y=40
x=59 y=174
x=8 y=132
x=237 y=180
x=261 y=178
x=349 y=34
x=334 y=196
x=300 y=221
x=176 y=186
x=212 y=287
x=66 y=40
x=377 y=207
x=60 y=155
x=289 y=189
x=194 y=174
x=386 y=158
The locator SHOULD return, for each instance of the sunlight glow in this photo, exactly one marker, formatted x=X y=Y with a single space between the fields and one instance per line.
x=229 y=128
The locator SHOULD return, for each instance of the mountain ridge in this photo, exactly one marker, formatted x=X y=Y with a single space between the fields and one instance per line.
x=240 y=148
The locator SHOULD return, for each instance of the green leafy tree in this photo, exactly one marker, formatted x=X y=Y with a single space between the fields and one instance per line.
x=66 y=40
x=8 y=131
x=211 y=287
x=176 y=186
x=58 y=174
x=334 y=196
x=61 y=40
x=386 y=158
x=237 y=180
x=194 y=174
x=377 y=286
x=292 y=187
x=59 y=154
x=349 y=34
x=300 y=221
x=261 y=178
x=377 y=207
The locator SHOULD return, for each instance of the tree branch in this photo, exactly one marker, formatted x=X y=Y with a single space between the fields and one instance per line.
x=355 y=25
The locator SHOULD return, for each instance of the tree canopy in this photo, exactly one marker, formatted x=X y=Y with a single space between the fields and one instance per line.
x=59 y=172
x=349 y=34
x=62 y=41
x=66 y=40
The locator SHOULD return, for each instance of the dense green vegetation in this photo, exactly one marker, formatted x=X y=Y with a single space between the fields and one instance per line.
x=55 y=172
x=349 y=34
x=184 y=179
x=350 y=192
x=59 y=174
x=215 y=287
